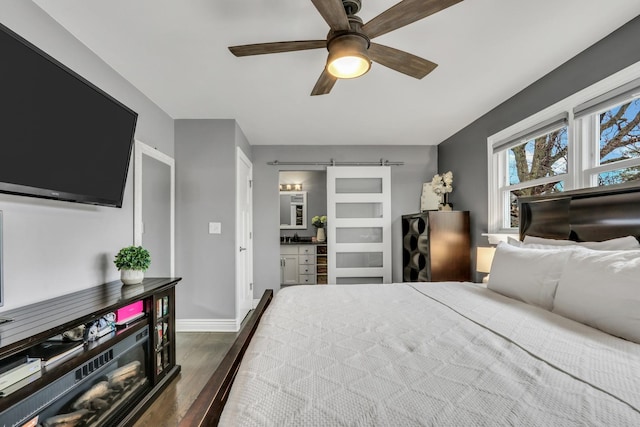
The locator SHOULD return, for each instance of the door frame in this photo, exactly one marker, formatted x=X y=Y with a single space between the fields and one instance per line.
x=141 y=149
x=241 y=310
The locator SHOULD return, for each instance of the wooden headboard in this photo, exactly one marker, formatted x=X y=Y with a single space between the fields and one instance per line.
x=592 y=214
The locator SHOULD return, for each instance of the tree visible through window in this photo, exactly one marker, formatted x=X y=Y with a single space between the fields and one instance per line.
x=541 y=157
x=620 y=140
x=547 y=155
x=582 y=141
x=538 y=158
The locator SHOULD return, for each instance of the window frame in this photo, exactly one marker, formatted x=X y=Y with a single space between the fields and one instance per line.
x=583 y=148
x=501 y=199
x=593 y=167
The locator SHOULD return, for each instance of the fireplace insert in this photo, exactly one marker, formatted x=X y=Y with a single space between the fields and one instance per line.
x=101 y=391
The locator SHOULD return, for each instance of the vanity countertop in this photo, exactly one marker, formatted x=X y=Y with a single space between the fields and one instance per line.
x=303 y=243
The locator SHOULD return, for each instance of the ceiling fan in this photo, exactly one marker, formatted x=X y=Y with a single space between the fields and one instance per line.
x=349 y=40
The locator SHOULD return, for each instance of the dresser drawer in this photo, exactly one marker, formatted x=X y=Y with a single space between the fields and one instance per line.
x=306 y=250
x=308 y=279
x=307 y=259
x=307 y=269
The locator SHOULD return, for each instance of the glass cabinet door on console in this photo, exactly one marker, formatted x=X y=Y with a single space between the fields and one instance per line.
x=163 y=334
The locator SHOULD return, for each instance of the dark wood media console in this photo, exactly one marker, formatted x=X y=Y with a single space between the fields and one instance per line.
x=148 y=341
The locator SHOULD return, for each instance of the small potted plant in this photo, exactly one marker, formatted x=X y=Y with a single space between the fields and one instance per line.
x=319 y=222
x=132 y=262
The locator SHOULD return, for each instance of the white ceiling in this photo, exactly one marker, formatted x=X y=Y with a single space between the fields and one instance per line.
x=175 y=52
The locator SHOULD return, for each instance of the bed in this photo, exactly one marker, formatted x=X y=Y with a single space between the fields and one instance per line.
x=452 y=353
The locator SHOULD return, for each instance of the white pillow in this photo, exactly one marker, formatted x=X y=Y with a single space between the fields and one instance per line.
x=533 y=240
x=529 y=275
x=514 y=242
x=602 y=289
x=621 y=243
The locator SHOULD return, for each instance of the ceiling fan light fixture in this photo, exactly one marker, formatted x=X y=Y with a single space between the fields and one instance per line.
x=348 y=56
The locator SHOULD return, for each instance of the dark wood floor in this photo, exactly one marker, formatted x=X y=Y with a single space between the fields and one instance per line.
x=199 y=354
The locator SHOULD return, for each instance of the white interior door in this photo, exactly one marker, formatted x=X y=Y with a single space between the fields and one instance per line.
x=244 y=236
x=359 y=224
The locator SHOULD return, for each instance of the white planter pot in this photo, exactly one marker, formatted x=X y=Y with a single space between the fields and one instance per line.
x=131 y=277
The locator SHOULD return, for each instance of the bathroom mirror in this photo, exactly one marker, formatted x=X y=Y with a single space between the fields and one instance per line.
x=293 y=210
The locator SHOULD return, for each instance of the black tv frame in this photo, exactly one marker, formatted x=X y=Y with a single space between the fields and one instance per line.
x=47 y=193
x=1 y=267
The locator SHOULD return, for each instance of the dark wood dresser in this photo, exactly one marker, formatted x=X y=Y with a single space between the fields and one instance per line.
x=436 y=246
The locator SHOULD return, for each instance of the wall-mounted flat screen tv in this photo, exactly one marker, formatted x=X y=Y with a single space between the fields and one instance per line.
x=61 y=137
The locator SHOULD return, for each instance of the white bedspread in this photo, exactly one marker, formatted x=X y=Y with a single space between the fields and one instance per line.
x=429 y=354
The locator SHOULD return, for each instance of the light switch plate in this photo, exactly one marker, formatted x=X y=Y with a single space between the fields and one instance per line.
x=215 y=228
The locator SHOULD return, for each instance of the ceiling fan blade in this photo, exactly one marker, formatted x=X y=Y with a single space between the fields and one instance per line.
x=401 y=61
x=333 y=13
x=324 y=84
x=276 y=47
x=404 y=13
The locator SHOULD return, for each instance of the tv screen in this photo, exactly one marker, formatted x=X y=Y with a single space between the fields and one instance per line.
x=61 y=137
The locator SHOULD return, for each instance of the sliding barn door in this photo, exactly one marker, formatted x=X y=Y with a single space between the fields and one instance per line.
x=359 y=224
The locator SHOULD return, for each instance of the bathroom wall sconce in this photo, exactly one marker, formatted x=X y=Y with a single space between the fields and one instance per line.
x=290 y=187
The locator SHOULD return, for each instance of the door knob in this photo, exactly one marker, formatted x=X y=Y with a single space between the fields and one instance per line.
x=242 y=249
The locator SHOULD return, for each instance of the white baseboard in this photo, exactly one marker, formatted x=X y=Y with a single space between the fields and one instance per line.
x=207 y=325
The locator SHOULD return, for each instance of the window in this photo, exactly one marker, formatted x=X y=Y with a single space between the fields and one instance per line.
x=583 y=141
x=532 y=162
x=541 y=161
x=617 y=148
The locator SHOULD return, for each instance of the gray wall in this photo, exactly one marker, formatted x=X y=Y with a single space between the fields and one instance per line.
x=465 y=153
x=315 y=184
x=156 y=215
x=50 y=247
x=205 y=154
x=406 y=187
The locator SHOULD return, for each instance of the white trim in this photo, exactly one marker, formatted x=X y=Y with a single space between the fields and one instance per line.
x=138 y=228
x=207 y=325
x=535 y=182
x=493 y=219
x=607 y=167
x=579 y=160
x=495 y=239
x=242 y=306
x=575 y=157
